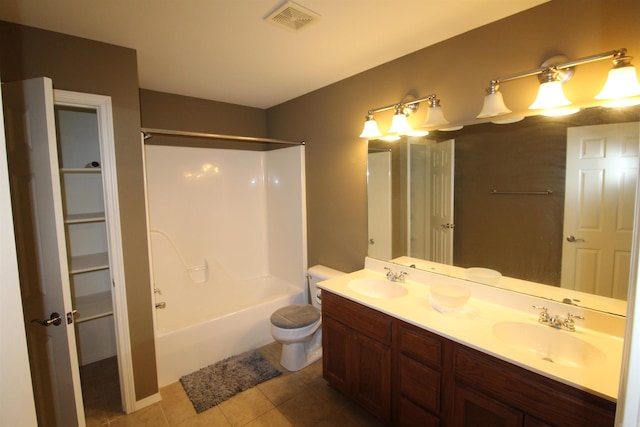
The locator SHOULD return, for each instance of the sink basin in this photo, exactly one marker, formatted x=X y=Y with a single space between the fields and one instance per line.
x=549 y=344
x=377 y=288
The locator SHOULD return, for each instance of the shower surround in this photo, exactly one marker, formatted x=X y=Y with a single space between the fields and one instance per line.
x=228 y=247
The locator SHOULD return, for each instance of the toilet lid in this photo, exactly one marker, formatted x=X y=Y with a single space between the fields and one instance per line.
x=295 y=316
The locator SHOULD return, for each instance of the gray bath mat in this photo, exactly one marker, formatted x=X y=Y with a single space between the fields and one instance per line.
x=216 y=383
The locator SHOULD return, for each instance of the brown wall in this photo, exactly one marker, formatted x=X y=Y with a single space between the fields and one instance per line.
x=175 y=112
x=458 y=70
x=86 y=66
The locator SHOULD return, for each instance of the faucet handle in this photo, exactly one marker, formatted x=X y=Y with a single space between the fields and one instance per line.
x=544 y=314
x=569 y=323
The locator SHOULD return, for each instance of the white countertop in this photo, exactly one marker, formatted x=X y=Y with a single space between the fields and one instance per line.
x=472 y=325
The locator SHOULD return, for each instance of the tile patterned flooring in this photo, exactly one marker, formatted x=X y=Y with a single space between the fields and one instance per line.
x=298 y=399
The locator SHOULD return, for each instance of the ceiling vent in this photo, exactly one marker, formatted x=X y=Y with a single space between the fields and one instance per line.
x=292 y=17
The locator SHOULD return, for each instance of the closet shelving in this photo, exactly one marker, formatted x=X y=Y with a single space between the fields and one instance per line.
x=85 y=219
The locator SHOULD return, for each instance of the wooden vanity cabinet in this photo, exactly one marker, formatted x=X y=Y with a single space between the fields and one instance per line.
x=408 y=376
x=519 y=397
x=356 y=343
x=417 y=388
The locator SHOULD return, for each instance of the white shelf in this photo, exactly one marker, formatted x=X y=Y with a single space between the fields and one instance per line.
x=93 y=306
x=87 y=263
x=80 y=170
x=84 y=218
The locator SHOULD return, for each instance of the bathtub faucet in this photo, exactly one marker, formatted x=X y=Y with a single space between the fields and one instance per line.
x=161 y=304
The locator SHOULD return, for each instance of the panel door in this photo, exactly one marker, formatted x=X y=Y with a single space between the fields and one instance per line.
x=602 y=169
x=441 y=221
x=379 y=204
x=41 y=246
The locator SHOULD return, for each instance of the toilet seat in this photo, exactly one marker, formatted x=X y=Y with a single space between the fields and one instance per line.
x=295 y=316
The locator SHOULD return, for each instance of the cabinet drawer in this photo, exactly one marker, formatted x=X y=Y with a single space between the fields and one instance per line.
x=412 y=415
x=367 y=321
x=420 y=345
x=420 y=384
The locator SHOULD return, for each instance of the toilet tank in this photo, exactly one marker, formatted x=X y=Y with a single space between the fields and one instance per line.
x=316 y=274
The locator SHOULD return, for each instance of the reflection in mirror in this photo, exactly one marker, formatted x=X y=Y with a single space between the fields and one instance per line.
x=528 y=199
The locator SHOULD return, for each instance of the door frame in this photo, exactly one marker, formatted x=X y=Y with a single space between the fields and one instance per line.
x=102 y=105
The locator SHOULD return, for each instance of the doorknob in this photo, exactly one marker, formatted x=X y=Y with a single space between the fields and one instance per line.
x=572 y=239
x=55 y=320
x=447 y=226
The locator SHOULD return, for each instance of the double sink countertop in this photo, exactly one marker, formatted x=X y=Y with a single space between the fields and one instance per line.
x=504 y=324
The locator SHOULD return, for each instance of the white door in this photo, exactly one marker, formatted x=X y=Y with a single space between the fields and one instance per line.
x=41 y=247
x=418 y=184
x=441 y=221
x=601 y=175
x=379 y=204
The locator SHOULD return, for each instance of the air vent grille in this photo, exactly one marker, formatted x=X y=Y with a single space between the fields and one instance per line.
x=292 y=17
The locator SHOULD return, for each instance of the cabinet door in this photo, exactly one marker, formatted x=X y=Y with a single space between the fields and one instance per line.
x=372 y=375
x=472 y=409
x=335 y=353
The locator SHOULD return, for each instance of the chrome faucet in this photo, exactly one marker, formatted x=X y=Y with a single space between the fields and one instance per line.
x=555 y=321
x=395 y=277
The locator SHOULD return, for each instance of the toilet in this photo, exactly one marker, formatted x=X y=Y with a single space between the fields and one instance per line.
x=298 y=326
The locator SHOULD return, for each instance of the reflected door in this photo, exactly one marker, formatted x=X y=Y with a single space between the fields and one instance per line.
x=441 y=206
x=602 y=170
x=379 y=204
x=418 y=185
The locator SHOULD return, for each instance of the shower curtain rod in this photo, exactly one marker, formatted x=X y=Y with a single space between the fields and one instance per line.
x=148 y=133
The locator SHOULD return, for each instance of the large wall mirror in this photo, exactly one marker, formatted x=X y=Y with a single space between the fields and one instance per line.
x=549 y=200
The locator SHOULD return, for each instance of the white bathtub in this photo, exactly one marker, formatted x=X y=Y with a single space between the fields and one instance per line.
x=192 y=333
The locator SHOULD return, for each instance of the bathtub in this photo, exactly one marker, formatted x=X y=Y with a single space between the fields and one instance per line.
x=192 y=333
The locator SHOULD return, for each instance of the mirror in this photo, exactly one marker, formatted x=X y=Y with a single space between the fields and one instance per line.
x=507 y=204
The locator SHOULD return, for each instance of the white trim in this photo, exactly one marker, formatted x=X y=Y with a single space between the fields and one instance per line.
x=148 y=231
x=102 y=105
x=628 y=405
x=148 y=401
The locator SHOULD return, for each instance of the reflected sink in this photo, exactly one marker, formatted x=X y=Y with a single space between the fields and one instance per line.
x=377 y=288
x=549 y=344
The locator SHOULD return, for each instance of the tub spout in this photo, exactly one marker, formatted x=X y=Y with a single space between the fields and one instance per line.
x=161 y=304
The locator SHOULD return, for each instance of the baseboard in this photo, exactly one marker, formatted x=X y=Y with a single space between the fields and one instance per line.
x=147 y=401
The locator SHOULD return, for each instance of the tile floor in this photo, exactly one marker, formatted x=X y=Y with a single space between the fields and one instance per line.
x=301 y=399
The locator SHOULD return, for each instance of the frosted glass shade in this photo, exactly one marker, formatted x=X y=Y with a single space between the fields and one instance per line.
x=550 y=95
x=399 y=124
x=435 y=117
x=370 y=130
x=620 y=87
x=493 y=106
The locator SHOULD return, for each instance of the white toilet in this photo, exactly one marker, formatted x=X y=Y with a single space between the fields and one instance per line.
x=298 y=326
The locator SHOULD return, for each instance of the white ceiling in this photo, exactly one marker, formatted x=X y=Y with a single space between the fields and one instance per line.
x=225 y=51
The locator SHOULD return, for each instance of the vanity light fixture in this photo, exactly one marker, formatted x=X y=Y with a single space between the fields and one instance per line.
x=619 y=90
x=622 y=88
x=399 y=124
x=370 y=130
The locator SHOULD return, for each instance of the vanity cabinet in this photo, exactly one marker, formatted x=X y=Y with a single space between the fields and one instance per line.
x=408 y=376
x=418 y=382
x=487 y=388
x=356 y=343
